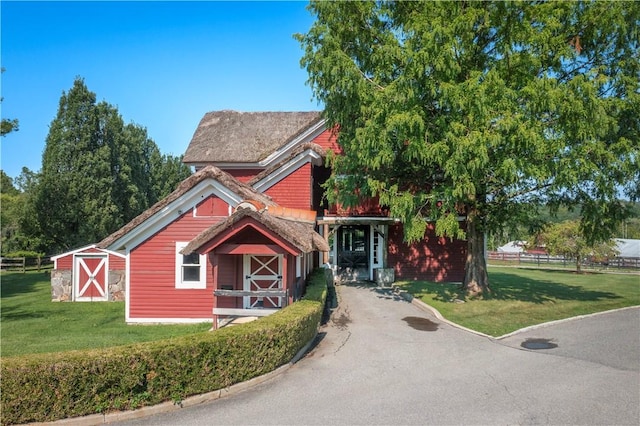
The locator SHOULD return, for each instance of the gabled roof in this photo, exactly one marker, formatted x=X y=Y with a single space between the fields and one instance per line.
x=300 y=149
x=86 y=248
x=299 y=233
x=245 y=137
x=240 y=190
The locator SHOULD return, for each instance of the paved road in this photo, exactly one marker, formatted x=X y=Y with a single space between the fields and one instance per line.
x=384 y=361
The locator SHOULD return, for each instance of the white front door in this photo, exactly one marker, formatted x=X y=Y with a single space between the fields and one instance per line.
x=262 y=272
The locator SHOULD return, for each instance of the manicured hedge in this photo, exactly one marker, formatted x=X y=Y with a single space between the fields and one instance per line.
x=47 y=387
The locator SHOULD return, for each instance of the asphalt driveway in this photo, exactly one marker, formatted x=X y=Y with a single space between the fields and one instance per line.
x=382 y=360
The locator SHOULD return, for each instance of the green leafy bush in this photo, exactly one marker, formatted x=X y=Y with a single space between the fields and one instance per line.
x=23 y=253
x=47 y=387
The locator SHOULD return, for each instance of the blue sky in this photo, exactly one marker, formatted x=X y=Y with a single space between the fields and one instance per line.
x=162 y=64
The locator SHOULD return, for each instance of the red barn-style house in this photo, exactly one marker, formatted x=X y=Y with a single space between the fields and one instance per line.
x=239 y=236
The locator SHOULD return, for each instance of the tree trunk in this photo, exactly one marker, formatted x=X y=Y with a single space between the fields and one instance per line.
x=476 y=280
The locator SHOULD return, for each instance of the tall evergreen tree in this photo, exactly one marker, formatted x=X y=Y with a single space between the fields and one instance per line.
x=97 y=173
x=6 y=184
x=481 y=110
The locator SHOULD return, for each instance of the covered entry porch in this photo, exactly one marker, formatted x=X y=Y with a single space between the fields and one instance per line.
x=357 y=247
x=258 y=262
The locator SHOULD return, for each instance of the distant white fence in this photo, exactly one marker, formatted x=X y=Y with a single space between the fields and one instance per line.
x=548 y=260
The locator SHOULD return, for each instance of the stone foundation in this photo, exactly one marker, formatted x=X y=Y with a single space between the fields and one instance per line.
x=116 y=286
x=62 y=286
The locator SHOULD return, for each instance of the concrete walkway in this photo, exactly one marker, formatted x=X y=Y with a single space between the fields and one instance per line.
x=383 y=360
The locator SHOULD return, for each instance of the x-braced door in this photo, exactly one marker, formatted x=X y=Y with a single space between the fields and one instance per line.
x=91 y=276
x=262 y=272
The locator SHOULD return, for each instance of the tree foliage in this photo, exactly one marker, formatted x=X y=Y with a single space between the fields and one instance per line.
x=6 y=184
x=8 y=125
x=481 y=109
x=97 y=173
x=17 y=219
x=567 y=239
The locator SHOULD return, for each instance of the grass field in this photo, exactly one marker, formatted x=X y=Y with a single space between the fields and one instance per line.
x=522 y=297
x=31 y=323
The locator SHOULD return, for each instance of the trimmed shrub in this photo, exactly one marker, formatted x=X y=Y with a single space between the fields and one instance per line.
x=47 y=387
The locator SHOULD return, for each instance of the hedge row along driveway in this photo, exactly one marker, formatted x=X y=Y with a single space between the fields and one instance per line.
x=48 y=387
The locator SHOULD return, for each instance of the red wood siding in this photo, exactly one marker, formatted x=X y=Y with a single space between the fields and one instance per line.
x=117 y=263
x=328 y=140
x=367 y=207
x=295 y=190
x=152 y=292
x=212 y=206
x=243 y=175
x=432 y=259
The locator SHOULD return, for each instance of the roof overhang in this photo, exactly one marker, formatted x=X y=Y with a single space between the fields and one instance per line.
x=372 y=220
x=284 y=151
x=307 y=156
x=355 y=220
x=176 y=208
x=89 y=247
x=246 y=223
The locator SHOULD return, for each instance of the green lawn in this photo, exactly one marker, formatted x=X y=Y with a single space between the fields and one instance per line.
x=31 y=323
x=522 y=297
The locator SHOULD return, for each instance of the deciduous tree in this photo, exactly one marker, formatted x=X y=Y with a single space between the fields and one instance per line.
x=8 y=125
x=567 y=239
x=481 y=110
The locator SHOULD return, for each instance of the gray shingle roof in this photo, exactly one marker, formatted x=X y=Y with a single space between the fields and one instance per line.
x=232 y=136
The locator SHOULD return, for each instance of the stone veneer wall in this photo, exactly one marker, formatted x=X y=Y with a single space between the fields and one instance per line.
x=62 y=285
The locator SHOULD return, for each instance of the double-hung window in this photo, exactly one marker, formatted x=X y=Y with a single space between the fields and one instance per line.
x=190 y=269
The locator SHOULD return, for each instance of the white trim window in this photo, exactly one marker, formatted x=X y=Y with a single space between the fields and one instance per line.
x=191 y=269
x=298 y=266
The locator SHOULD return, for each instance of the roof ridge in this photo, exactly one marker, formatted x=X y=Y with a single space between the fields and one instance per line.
x=243 y=190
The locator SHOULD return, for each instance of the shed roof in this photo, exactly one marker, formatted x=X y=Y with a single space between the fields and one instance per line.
x=299 y=233
x=210 y=172
x=245 y=137
x=628 y=247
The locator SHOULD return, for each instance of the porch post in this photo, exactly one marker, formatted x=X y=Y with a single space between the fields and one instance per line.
x=285 y=281
x=385 y=244
x=213 y=256
x=325 y=234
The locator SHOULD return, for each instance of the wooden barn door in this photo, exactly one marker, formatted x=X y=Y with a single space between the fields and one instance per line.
x=90 y=278
x=262 y=272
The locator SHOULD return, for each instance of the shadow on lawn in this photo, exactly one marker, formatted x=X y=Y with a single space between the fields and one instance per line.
x=10 y=313
x=505 y=286
x=12 y=283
